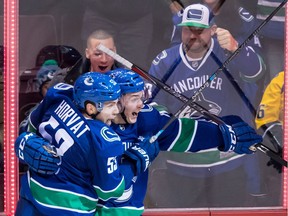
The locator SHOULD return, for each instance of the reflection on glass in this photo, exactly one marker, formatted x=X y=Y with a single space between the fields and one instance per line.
x=177 y=180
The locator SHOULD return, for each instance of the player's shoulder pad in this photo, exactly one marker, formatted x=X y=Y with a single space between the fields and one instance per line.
x=245 y=14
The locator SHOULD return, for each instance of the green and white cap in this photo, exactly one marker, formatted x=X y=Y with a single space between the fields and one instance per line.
x=196 y=15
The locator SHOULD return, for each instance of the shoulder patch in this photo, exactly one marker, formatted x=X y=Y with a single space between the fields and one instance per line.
x=245 y=15
x=109 y=135
x=146 y=108
x=160 y=56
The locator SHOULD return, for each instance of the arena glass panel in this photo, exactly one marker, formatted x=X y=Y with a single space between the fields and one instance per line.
x=175 y=182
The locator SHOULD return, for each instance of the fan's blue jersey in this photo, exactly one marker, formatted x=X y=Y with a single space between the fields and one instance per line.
x=183 y=135
x=90 y=153
x=220 y=96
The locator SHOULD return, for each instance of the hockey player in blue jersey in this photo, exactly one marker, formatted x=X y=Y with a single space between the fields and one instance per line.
x=87 y=153
x=137 y=120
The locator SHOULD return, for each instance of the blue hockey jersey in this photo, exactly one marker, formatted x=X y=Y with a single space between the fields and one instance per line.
x=183 y=135
x=220 y=97
x=90 y=153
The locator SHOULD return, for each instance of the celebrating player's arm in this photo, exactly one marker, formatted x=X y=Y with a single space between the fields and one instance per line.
x=190 y=135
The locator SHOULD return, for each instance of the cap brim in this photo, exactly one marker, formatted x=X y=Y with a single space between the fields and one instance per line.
x=192 y=24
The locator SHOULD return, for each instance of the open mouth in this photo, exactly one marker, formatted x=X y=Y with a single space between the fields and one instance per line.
x=134 y=114
x=103 y=68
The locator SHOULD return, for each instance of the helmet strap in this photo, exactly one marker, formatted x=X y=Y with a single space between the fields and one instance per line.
x=99 y=108
x=124 y=116
x=93 y=116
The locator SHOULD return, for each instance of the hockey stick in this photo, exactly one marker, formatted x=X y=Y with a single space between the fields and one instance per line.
x=246 y=100
x=185 y=100
x=244 y=43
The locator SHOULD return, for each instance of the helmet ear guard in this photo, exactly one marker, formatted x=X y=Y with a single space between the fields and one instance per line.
x=99 y=106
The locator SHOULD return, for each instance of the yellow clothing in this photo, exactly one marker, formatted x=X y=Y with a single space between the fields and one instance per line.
x=271 y=108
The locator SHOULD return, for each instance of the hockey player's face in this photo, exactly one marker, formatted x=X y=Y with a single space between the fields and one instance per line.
x=196 y=40
x=109 y=112
x=132 y=104
x=100 y=62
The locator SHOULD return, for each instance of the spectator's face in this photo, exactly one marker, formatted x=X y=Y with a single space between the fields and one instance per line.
x=197 y=40
x=100 y=61
x=44 y=88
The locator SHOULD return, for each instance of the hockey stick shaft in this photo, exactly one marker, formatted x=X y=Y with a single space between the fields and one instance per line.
x=182 y=98
x=236 y=52
x=246 y=100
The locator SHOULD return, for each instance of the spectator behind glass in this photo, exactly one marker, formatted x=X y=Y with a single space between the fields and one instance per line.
x=234 y=30
x=272 y=35
x=230 y=34
x=95 y=59
x=43 y=78
x=130 y=22
x=269 y=119
x=185 y=67
x=270 y=112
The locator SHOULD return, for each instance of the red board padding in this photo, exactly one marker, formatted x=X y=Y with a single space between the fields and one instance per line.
x=194 y=213
x=281 y=212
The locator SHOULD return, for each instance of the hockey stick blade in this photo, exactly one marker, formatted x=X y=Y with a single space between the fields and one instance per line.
x=184 y=99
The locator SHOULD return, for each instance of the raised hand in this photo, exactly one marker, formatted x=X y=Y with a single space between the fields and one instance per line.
x=226 y=40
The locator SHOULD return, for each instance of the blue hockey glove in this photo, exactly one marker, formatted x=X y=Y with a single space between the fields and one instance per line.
x=37 y=153
x=239 y=136
x=143 y=154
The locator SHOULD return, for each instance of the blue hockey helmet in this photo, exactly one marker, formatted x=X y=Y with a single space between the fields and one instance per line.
x=129 y=81
x=95 y=87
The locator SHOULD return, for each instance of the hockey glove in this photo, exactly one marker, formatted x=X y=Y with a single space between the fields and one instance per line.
x=239 y=136
x=37 y=153
x=142 y=155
